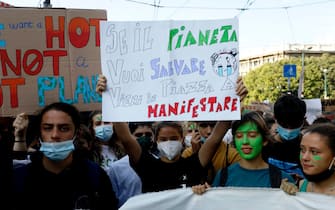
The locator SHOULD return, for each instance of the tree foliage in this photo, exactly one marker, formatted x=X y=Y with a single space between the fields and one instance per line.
x=267 y=82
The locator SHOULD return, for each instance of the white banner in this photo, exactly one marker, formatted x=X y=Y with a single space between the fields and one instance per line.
x=170 y=70
x=226 y=198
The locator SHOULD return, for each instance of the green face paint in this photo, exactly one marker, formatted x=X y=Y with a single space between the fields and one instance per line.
x=249 y=142
x=316 y=157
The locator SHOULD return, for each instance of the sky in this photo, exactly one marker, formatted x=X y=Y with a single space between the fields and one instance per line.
x=263 y=24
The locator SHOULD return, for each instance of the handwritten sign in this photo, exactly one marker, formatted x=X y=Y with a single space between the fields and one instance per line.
x=49 y=55
x=170 y=70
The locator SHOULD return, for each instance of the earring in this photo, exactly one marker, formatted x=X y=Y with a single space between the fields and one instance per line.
x=331 y=164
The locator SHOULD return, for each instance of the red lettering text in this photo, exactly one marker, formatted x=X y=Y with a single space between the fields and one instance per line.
x=51 y=33
x=13 y=83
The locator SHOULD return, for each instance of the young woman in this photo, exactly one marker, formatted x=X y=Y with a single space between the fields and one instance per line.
x=106 y=147
x=169 y=170
x=317 y=157
x=250 y=135
x=58 y=177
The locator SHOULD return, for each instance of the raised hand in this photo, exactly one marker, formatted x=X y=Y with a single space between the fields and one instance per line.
x=101 y=84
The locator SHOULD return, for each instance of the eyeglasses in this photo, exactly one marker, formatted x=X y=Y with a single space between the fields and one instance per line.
x=147 y=134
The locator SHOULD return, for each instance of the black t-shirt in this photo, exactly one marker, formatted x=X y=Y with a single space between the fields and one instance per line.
x=284 y=155
x=84 y=185
x=157 y=175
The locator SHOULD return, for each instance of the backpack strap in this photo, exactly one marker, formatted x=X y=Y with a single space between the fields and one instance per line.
x=275 y=176
x=224 y=170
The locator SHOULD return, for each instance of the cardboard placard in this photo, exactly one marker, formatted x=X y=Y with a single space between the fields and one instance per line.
x=49 y=55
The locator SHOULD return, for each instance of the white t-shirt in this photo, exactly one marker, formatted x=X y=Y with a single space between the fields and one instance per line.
x=108 y=157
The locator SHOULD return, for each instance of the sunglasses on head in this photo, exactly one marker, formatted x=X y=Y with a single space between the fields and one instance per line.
x=147 y=134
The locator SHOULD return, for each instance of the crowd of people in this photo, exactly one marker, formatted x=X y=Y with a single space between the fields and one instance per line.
x=69 y=163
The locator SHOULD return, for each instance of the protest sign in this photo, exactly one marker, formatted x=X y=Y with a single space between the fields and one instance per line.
x=170 y=70
x=313 y=109
x=49 y=55
x=229 y=198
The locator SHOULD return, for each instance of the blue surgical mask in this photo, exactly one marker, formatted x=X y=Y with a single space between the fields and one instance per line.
x=202 y=139
x=288 y=134
x=104 y=132
x=57 y=151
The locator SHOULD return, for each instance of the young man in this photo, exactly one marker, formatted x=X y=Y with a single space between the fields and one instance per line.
x=289 y=112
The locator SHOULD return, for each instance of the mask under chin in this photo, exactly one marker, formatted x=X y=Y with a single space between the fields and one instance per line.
x=320 y=176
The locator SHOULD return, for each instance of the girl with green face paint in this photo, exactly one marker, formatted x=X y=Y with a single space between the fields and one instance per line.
x=317 y=158
x=248 y=141
x=250 y=135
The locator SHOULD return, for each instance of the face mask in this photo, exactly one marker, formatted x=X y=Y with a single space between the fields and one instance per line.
x=57 y=151
x=104 y=132
x=169 y=149
x=145 y=142
x=322 y=175
x=187 y=140
x=288 y=134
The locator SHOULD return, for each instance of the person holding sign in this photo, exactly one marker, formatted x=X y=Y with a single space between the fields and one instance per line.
x=58 y=176
x=317 y=158
x=171 y=170
x=250 y=135
x=205 y=129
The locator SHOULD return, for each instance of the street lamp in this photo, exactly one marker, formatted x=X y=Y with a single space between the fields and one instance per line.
x=302 y=73
x=325 y=83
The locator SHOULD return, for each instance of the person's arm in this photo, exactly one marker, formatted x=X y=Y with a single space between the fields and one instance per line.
x=20 y=125
x=241 y=89
x=132 y=147
x=208 y=149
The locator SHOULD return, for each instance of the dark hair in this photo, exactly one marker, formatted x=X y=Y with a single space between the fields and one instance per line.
x=321 y=120
x=255 y=117
x=269 y=119
x=205 y=124
x=164 y=124
x=69 y=109
x=85 y=133
x=325 y=129
x=90 y=119
x=289 y=111
x=134 y=125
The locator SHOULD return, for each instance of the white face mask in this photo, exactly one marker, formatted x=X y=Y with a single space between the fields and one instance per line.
x=187 y=140
x=169 y=149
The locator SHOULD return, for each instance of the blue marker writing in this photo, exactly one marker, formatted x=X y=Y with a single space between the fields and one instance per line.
x=2 y=42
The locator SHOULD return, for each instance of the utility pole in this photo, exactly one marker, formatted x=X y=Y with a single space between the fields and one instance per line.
x=47 y=4
x=325 y=83
x=302 y=73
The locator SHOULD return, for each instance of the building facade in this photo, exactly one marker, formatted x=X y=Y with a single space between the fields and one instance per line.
x=251 y=62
